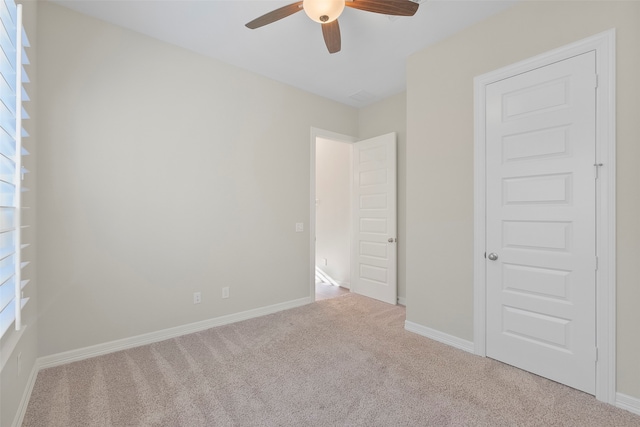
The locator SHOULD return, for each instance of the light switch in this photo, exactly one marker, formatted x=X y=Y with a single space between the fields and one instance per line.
x=299 y=227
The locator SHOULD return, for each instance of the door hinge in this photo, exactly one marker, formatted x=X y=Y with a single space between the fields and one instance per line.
x=596 y=263
x=596 y=354
x=597 y=167
x=596 y=80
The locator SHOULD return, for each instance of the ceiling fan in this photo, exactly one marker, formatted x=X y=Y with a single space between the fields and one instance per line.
x=326 y=12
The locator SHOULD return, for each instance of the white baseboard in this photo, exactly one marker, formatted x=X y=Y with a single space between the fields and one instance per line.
x=631 y=404
x=136 y=341
x=439 y=336
x=346 y=285
x=402 y=301
x=26 y=395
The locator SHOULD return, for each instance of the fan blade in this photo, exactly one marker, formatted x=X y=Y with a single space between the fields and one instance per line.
x=275 y=15
x=387 y=7
x=331 y=33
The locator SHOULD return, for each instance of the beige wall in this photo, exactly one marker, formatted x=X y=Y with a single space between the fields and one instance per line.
x=333 y=209
x=390 y=115
x=163 y=173
x=440 y=159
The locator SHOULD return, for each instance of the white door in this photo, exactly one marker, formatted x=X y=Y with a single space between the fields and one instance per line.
x=540 y=200
x=373 y=242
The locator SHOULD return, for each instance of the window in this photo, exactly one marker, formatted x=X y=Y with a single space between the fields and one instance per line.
x=13 y=40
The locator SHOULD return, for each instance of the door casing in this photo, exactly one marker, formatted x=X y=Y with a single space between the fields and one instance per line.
x=604 y=46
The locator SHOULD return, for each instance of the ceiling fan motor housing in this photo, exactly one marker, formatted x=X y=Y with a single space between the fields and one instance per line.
x=323 y=11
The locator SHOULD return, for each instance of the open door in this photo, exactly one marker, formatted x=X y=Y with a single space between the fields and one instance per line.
x=373 y=238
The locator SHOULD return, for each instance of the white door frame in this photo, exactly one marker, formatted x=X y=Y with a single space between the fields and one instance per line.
x=326 y=134
x=604 y=46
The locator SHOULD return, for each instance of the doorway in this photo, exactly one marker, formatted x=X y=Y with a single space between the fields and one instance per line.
x=373 y=220
x=333 y=218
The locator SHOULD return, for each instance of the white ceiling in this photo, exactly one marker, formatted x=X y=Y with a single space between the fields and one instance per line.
x=370 y=66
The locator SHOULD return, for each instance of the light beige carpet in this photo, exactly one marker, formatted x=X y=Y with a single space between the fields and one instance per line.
x=346 y=361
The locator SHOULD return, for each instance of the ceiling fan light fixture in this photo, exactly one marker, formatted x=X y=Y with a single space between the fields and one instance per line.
x=323 y=11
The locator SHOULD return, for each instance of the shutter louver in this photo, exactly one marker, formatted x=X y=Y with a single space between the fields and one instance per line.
x=13 y=42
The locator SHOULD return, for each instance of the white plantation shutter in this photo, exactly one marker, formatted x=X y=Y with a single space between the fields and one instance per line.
x=13 y=40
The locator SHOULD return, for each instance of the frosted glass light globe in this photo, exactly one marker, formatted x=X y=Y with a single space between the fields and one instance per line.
x=323 y=11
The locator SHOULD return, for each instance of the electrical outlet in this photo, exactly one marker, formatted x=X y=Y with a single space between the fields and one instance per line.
x=299 y=227
x=197 y=297
x=324 y=261
x=225 y=292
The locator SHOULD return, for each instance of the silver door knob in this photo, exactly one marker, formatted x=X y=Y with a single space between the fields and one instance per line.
x=390 y=240
x=493 y=256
